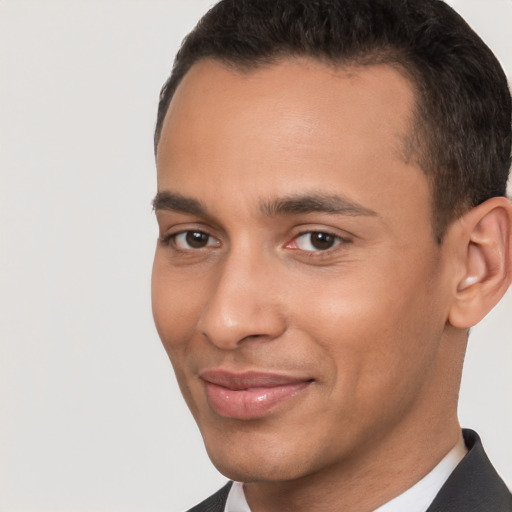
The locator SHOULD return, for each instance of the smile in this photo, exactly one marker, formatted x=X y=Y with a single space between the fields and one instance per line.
x=249 y=395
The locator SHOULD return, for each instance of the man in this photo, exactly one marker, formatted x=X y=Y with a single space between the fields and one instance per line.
x=333 y=220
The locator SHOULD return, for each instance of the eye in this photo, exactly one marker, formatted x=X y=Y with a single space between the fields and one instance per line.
x=314 y=241
x=188 y=240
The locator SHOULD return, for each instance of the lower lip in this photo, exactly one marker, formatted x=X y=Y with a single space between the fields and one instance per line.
x=250 y=403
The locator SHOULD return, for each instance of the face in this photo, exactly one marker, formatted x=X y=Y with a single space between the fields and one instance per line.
x=297 y=286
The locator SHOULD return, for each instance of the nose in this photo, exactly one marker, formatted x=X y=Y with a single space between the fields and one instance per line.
x=243 y=304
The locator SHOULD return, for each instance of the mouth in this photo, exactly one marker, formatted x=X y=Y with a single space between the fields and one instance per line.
x=249 y=395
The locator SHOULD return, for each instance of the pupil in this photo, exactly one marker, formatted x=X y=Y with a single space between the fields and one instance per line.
x=196 y=239
x=322 y=240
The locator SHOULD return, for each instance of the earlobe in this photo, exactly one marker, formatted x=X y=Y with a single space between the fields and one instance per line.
x=486 y=235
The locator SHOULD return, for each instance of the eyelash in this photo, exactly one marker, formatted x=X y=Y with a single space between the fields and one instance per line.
x=170 y=240
x=336 y=239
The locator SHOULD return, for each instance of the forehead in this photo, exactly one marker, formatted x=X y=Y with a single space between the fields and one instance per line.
x=294 y=94
x=289 y=126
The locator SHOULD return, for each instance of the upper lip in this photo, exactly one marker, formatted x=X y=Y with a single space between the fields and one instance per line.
x=249 y=379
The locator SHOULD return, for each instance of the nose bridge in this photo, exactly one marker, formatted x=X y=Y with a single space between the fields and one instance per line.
x=241 y=305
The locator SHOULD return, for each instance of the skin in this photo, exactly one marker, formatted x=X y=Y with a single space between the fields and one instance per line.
x=366 y=321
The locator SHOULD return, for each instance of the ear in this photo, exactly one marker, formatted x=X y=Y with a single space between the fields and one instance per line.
x=484 y=253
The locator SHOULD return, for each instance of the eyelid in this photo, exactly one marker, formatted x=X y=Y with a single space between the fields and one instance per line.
x=182 y=237
x=340 y=240
x=169 y=238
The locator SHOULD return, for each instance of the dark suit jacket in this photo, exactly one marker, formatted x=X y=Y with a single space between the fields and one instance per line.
x=474 y=486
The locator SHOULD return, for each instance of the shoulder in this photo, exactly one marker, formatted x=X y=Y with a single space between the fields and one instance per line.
x=474 y=485
x=215 y=503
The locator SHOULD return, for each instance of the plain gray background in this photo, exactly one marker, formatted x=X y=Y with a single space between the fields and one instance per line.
x=91 y=417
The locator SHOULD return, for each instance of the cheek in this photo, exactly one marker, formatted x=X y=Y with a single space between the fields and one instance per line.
x=175 y=305
x=175 y=319
x=382 y=328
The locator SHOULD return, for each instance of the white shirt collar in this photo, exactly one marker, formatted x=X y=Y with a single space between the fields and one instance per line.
x=236 y=501
x=416 y=499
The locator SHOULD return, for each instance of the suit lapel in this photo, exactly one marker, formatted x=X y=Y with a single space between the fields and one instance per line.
x=474 y=485
x=214 y=503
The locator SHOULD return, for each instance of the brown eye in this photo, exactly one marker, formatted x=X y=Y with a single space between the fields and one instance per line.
x=315 y=241
x=193 y=240
x=196 y=239
x=322 y=241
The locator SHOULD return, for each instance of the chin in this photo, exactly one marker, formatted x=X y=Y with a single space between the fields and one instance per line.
x=258 y=458
x=258 y=469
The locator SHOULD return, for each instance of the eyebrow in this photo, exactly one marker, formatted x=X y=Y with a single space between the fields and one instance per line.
x=172 y=201
x=313 y=203
x=289 y=205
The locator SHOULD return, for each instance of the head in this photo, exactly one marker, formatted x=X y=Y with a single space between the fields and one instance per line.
x=329 y=182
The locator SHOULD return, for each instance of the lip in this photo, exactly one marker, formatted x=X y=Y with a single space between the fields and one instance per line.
x=249 y=395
